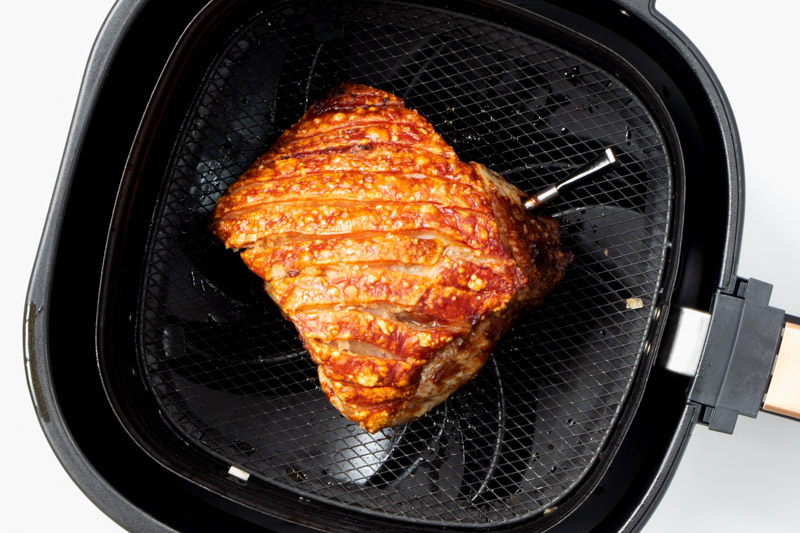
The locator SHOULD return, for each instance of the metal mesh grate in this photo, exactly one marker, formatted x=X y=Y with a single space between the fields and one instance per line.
x=230 y=373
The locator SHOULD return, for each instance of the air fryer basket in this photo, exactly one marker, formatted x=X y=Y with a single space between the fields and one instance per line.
x=205 y=414
x=224 y=372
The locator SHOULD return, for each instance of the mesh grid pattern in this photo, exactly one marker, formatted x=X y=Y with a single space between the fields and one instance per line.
x=230 y=373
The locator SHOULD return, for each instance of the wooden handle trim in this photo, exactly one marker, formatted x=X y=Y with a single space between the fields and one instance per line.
x=783 y=393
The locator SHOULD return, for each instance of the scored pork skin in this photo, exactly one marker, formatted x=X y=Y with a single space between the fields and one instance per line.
x=400 y=265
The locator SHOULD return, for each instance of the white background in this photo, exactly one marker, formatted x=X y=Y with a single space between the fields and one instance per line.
x=746 y=482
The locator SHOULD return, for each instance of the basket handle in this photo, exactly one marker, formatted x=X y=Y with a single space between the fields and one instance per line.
x=743 y=356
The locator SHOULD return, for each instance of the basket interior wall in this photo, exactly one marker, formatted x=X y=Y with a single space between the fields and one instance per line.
x=230 y=374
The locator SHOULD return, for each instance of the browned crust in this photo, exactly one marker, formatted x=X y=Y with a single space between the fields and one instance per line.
x=399 y=265
x=390 y=335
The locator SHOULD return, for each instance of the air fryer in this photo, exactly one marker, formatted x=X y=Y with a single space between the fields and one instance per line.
x=210 y=411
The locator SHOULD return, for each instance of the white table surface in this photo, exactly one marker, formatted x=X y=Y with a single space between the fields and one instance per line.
x=746 y=482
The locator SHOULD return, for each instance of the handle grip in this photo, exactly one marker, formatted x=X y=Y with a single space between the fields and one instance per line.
x=738 y=355
x=744 y=356
x=783 y=392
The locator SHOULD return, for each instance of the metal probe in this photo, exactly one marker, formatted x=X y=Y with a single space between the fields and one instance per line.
x=595 y=167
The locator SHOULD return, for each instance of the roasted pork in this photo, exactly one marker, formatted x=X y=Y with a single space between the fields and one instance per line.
x=400 y=265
